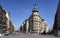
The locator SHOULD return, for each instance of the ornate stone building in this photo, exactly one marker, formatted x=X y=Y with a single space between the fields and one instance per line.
x=35 y=20
x=34 y=24
x=56 y=26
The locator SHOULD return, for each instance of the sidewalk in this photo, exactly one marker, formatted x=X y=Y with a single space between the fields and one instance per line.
x=1 y=34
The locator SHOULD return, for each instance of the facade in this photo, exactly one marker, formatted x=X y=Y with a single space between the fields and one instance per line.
x=35 y=20
x=47 y=29
x=8 y=20
x=34 y=24
x=56 y=26
x=43 y=26
x=21 y=29
x=11 y=27
x=25 y=26
x=5 y=22
x=2 y=18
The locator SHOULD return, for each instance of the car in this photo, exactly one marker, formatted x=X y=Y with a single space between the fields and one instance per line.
x=6 y=33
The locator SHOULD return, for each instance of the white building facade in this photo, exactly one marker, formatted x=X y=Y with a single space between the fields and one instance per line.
x=8 y=19
x=34 y=24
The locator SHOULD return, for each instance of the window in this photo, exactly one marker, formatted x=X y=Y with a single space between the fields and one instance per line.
x=35 y=18
x=35 y=23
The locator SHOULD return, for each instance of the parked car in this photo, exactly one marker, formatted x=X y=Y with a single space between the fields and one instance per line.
x=6 y=33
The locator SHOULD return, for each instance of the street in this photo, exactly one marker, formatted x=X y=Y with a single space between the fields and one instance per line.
x=23 y=35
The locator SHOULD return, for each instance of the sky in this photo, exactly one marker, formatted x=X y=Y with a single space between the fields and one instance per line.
x=21 y=9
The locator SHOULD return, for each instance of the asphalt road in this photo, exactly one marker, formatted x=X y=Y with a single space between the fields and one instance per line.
x=23 y=35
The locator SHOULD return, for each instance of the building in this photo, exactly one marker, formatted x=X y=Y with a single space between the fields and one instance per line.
x=34 y=24
x=35 y=20
x=43 y=26
x=9 y=23
x=5 y=22
x=3 y=18
x=21 y=28
x=25 y=26
x=8 y=20
x=56 y=26
x=11 y=27
x=47 y=29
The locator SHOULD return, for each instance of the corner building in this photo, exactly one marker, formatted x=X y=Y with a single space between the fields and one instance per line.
x=35 y=20
x=34 y=24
